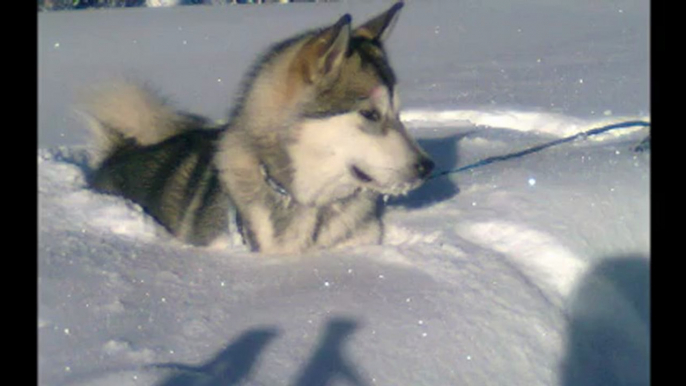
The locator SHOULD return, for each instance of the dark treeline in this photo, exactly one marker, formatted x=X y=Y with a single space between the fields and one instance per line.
x=53 y=5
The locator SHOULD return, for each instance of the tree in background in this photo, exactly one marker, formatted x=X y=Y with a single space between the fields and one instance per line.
x=52 y=5
x=49 y=5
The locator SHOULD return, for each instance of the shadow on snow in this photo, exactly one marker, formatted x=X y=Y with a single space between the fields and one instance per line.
x=609 y=326
x=443 y=151
x=235 y=363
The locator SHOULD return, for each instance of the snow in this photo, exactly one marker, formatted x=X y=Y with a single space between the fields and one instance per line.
x=531 y=271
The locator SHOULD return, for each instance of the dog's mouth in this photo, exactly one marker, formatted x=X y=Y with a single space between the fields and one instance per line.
x=360 y=175
x=367 y=182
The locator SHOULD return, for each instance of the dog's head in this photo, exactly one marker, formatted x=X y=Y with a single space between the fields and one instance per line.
x=350 y=135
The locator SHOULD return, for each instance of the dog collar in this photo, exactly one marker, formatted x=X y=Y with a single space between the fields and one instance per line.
x=272 y=183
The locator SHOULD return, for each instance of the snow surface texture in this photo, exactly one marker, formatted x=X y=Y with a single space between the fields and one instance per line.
x=532 y=271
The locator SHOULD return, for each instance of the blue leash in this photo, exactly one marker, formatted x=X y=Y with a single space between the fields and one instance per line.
x=537 y=148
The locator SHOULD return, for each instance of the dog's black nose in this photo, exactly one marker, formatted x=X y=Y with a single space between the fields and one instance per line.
x=424 y=167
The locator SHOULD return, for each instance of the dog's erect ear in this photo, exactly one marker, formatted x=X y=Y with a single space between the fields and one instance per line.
x=379 y=27
x=321 y=57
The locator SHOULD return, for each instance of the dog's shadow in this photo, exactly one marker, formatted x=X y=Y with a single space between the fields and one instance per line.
x=443 y=151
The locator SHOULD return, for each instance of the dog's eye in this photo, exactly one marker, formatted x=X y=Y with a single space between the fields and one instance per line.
x=371 y=115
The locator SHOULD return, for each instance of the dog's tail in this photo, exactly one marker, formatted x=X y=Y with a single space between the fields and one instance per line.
x=127 y=113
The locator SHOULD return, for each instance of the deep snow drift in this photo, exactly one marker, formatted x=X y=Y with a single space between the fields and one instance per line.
x=532 y=271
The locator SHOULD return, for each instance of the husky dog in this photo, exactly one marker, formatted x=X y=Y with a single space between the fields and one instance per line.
x=314 y=141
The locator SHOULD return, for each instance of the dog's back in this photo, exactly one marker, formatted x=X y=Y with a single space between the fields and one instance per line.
x=160 y=159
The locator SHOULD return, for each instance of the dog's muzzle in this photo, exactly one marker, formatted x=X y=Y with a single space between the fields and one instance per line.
x=415 y=174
